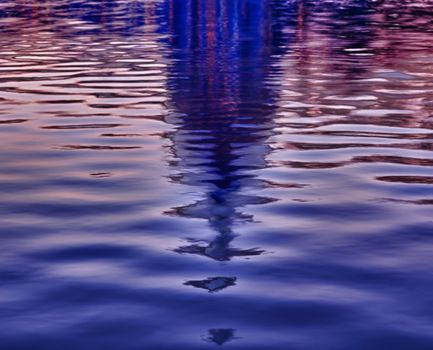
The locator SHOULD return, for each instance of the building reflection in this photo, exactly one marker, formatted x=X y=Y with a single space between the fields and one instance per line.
x=222 y=52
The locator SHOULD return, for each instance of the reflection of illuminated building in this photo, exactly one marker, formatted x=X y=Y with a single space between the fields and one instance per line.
x=225 y=115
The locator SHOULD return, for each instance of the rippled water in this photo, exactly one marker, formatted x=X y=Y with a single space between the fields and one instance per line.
x=193 y=174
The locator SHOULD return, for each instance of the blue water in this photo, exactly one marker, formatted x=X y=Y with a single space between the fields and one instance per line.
x=201 y=174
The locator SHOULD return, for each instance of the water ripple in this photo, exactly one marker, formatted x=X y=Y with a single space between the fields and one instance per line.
x=185 y=174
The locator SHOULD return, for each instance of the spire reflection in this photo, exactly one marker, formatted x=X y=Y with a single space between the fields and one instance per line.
x=224 y=114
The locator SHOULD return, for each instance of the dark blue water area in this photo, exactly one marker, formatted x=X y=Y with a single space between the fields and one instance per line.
x=201 y=174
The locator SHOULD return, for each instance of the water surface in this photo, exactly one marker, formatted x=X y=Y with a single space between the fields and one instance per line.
x=191 y=174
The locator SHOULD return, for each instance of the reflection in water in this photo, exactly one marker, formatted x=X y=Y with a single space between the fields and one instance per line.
x=219 y=249
x=80 y=17
x=214 y=284
x=221 y=336
x=297 y=127
x=224 y=113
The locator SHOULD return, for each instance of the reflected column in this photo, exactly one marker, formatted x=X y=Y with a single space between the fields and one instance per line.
x=222 y=110
x=222 y=52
